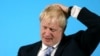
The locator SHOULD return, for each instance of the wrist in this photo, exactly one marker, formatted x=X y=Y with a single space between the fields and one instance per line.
x=75 y=10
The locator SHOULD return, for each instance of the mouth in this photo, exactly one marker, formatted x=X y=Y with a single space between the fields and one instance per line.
x=48 y=39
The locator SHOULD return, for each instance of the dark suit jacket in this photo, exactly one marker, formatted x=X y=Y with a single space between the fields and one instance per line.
x=83 y=43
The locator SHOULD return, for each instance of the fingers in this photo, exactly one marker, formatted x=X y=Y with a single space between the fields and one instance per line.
x=64 y=8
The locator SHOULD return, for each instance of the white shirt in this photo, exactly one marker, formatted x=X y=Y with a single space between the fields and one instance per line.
x=43 y=49
x=75 y=11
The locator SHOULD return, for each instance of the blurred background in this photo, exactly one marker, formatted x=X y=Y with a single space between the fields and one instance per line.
x=19 y=22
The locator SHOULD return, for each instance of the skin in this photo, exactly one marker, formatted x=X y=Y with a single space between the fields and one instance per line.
x=51 y=32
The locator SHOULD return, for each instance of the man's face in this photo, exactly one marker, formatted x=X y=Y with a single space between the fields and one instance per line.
x=51 y=32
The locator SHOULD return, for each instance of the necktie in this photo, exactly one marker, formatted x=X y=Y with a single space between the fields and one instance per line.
x=48 y=51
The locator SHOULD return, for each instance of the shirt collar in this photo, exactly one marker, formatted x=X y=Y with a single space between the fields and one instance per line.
x=44 y=46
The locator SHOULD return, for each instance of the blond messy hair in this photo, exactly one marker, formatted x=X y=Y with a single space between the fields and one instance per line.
x=54 y=11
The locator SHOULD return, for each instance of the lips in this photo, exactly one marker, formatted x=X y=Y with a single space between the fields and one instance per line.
x=48 y=39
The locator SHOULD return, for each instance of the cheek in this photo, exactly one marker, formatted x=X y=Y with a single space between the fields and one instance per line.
x=41 y=32
x=57 y=36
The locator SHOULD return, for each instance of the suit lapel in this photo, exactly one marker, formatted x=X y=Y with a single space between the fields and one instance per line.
x=36 y=49
x=64 y=42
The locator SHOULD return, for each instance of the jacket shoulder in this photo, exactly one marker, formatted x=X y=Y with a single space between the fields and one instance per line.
x=29 y=48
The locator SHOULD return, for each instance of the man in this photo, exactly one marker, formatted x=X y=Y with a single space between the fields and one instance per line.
x=53 y=21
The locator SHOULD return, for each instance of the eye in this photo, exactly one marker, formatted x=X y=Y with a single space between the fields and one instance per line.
x=53 y=30
x=44 y=27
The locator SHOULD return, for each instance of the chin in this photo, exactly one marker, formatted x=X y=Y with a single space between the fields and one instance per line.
x=47 y=43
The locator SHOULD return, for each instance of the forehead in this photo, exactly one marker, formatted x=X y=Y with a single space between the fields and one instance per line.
x=50 y=22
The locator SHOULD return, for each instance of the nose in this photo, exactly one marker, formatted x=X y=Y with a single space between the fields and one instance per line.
x=47 y=33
